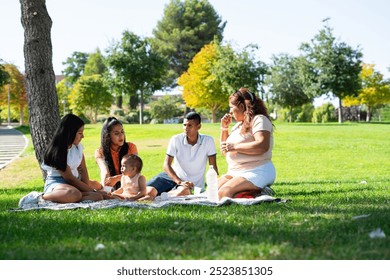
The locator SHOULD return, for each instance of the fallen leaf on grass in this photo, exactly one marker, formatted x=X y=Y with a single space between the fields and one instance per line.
x=378 y=233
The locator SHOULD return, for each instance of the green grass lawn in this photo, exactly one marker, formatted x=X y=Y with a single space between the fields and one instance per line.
x=331 y=173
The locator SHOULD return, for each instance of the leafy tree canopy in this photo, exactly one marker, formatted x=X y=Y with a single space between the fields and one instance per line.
x=237 y=69
x=375 y=90
x=336 y=65
x=90 y=96
x=17 y=90
x=74 y=66
x=95 y=64
x=184 y=29
x=201 y=88
x=165 y=108
x=216 y=72
x=285 y=83
x=3 y=75
x=134 y=66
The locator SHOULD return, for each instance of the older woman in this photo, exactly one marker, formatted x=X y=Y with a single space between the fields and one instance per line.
x=248 y=147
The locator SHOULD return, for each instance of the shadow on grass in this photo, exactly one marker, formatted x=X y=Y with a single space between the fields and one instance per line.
x=24 y=129
x=266 y=231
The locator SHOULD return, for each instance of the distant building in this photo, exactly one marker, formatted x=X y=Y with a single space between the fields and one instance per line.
x=175 y=92
x=59 y=78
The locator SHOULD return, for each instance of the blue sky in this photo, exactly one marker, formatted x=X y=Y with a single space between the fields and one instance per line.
x=277 y=26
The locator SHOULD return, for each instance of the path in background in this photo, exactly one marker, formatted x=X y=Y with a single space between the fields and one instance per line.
x=12 y=144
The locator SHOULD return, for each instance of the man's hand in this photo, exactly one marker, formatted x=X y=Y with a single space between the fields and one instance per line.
x=187 y=184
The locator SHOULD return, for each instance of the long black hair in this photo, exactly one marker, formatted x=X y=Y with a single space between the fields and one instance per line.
x=57 y=151
x=106 y=144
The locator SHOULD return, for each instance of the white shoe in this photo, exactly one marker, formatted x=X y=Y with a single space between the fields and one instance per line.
x=267 y=191
x=31 y=198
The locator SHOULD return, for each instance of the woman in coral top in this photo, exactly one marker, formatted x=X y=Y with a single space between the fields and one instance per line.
x=112 y=149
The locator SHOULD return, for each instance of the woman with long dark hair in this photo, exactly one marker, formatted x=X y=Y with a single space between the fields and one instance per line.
x=113 y=147
x=248 y=146
x=67 y=177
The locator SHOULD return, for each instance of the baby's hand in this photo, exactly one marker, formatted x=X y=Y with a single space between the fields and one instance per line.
x=187 y=184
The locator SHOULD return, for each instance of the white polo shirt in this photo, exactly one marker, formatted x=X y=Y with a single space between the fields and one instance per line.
x=190 y=160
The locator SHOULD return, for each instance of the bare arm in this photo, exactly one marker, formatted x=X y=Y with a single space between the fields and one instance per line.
x=118 y=191
x=168 y=168
x=213 y=161
x=104 y=173
x=72 y=180
x=105 y=177
x=225 y=122
x=83 y=171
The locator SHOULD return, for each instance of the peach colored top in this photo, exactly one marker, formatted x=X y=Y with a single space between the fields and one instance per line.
x=238 y=161
x=115 y=156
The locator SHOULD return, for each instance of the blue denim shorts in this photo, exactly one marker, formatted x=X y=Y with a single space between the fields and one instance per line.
x=52 y=182
x=162 y=183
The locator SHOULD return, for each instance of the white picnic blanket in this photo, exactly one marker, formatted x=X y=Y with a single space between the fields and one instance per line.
x=157 y=203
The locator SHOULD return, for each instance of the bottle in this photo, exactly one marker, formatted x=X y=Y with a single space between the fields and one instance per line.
x=212 y=184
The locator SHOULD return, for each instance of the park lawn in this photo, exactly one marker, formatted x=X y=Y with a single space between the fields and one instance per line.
x=330 y=173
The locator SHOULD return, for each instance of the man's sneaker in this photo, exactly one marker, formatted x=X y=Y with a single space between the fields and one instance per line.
x=31 y=198
x=267 y=190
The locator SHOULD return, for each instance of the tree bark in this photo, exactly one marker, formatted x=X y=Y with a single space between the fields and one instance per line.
x=340 y=111
x=369 y=112
x=44 y=116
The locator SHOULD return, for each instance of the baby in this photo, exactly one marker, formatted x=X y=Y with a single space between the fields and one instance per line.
x=133 y=184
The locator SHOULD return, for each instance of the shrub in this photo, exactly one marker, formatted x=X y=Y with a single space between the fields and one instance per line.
x=306 y=113
x=324 y=113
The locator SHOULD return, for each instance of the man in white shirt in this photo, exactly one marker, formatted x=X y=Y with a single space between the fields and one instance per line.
x=185 y=161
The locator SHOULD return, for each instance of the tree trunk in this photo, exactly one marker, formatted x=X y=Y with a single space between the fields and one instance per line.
x=340 y=112
x=21 y=116
x=119 y=101
x=141 y=107
x=213 y=115
x=369 y=112
x=42 y=98
x=291 y=114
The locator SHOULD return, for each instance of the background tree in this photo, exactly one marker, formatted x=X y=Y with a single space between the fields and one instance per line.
x=237 y=69
x=184 y=29
x=74 y=66
x=216 y=72
x=337 y=66
x=3 y=75
x=374 y=93
x=201 y=87
x=285 y=84
x=18 y=96
x=324 y=113
x=135 y=67
x=165 y=108
x=95 y=64
x=44 y=115
x=90 y=96
x=63 y=92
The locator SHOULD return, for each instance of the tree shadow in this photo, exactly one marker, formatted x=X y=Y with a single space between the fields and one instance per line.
x=264 y=231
